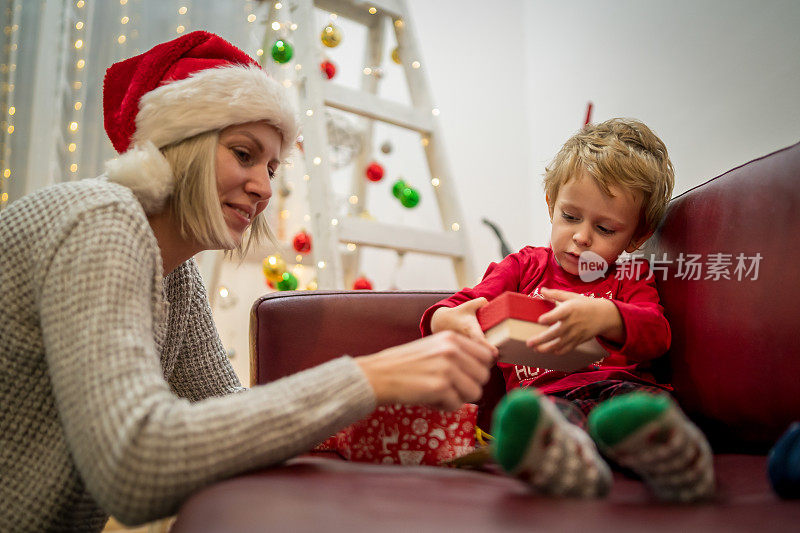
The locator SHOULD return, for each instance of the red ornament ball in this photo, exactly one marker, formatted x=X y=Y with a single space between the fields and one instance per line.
x=302 y=242
x=374 y=172
x=362 y=283
x=328 y=68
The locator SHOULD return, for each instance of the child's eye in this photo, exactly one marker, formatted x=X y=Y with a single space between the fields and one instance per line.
x=567 y=216
x=605 y=231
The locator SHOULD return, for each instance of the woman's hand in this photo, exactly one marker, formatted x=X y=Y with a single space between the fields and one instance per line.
x=462 y=319
x=575 y=320
x=444 y=371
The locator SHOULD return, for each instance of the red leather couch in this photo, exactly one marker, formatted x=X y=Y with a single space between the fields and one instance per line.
x=734 y=362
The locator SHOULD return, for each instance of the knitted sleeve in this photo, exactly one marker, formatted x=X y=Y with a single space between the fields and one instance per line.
x=139 y=449
x=201 y=367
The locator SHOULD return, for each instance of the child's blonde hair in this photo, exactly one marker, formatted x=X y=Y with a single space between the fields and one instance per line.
x=620 y=152
x=195 y=201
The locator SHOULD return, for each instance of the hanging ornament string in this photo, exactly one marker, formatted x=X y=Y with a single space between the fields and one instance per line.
x=398 y=265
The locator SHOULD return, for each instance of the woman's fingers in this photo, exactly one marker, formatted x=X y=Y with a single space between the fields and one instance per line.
x=445 y=369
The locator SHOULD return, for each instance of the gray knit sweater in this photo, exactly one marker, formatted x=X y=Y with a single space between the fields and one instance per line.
x=114 y=386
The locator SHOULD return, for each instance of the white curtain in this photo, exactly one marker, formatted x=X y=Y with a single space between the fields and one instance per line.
x=54 y=57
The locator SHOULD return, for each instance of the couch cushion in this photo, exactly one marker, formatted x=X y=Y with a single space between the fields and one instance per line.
x=313 y=494
x=735 y=356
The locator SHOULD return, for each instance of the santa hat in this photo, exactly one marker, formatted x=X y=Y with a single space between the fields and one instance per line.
x=193 y=84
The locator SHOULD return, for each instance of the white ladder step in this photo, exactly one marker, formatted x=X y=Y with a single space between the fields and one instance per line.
x=358 y=10
x=401 y=238
x=377 y=108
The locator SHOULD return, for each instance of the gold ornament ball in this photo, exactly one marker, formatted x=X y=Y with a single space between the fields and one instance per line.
x=396 y=55
x=331 y=36
x=274 y=266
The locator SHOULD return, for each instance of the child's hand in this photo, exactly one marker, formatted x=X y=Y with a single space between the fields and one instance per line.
x=462 y=319
x=575 y=320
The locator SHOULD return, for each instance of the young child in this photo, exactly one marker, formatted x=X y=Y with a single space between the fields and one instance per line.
x=606 y=191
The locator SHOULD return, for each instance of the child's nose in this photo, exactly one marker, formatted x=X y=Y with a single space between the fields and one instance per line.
x=581 y=237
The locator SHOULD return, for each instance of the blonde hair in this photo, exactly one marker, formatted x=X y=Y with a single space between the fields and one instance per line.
x=195 y=201
x=618 y=152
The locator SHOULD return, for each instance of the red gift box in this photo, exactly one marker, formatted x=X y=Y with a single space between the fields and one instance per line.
x=406 y=435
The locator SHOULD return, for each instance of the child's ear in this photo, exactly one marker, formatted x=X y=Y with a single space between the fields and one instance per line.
x=636 y=243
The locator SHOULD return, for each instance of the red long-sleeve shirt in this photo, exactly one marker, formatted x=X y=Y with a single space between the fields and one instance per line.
x=647 y=332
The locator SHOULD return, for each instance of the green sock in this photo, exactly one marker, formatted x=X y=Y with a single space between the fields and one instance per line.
x=536 y=444
x=649 y=434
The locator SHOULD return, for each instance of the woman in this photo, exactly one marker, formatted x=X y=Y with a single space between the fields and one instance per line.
x=115 y=394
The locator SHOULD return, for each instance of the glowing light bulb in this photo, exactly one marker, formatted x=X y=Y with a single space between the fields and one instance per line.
x=251 y=17
x=372 y=11
x=435 y=182
x=79 y=44
x=276 y=25
x=72 y=147
x=455 y=226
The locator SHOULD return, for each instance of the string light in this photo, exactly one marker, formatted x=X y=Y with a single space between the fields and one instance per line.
x=353 y=199
x=435 y=112
x=372 y=10
x=455 y=226
x=435 y=182
x=278 y=5
x=78 y=86
x=251 y=18
x=183 y=21
x=276 y=25
x=415 y=64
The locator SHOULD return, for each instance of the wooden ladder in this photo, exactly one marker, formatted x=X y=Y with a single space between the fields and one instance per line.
x=336 y=268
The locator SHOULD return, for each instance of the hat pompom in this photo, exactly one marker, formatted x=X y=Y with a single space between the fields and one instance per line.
x=145 y=171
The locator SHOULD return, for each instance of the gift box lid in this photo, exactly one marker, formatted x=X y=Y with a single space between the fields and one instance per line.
x=512 y=305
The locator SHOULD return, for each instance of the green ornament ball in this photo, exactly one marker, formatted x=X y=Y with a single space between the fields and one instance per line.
x=409 y=197
x=288 y=282
x=398 y=187
x=282 y=51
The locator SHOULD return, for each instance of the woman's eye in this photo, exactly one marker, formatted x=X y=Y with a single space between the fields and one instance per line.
x=242 y=155
x=272 y=173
